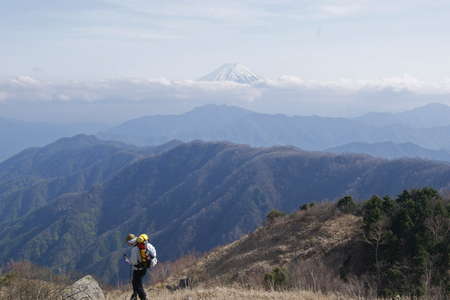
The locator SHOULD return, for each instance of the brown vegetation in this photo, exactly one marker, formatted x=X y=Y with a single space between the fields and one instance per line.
x=162 y=271
x=306 y=251
x=24 y=281
x=227 y=293
x=300 y=237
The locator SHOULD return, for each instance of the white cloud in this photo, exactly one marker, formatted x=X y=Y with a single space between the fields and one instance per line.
x=245 y=11
x=25 y=81
x=287 y=94
x=405 y=83
x=26 y=88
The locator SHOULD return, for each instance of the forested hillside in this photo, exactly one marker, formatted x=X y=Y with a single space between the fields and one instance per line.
x=194 y=197
x=36 y=176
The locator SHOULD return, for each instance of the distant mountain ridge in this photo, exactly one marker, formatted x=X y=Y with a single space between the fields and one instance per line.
x=428 y=116
x=427 y=127
x=392 y=150
x=226 y=123
x=194 y=197
x=15 y=135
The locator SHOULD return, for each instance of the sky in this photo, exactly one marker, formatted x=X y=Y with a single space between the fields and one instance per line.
x=63 y=60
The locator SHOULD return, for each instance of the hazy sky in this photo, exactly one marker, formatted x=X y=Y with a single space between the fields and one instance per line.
x=78 y=50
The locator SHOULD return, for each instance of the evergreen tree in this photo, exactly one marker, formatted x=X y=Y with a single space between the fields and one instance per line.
x=409 y=238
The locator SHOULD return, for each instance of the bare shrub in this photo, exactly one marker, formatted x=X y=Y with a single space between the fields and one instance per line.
x=319 y=212
x=23 y=280
x=163 y=271
x=315 y=276
x=251 y=279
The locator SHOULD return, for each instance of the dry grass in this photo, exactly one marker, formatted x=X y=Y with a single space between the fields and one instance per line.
x=311 y=245
x=166 y=269
x=300 y=237
x=223 y=293
x=23 y=281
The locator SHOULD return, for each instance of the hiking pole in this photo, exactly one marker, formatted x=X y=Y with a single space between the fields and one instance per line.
x=127 y=260
x=131 y=281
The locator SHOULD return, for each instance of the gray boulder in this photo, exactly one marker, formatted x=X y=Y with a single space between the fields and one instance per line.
x=86 y=288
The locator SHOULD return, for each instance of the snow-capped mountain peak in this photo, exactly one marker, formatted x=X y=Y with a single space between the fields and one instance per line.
x=232 y=72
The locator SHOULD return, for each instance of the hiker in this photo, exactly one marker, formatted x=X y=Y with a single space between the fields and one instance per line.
x=143 y=256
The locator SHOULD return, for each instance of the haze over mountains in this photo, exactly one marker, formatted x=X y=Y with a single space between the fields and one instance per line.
x=392 y=150
x=422 y=132
x=227 y=123
x=17 y=135
x=431 y=115
x=151 y=177
x=191 y=196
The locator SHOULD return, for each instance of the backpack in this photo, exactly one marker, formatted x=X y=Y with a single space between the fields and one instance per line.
x=145 y=256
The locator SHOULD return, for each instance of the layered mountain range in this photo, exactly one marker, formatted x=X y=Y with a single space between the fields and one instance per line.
x=88 y=194
x=428 y=116
x=227 y=123
x=16 y=135
x=392 y=150
x=423 y=132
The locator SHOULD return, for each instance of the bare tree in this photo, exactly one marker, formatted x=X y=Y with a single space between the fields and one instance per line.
x=376 y=237
x=438 y=225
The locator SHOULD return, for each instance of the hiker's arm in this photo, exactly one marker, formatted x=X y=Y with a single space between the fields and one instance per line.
x=152 y=252
x=126 y=259
x=134 y=258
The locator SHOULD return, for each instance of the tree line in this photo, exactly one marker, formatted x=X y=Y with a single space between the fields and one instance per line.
x=409 y=241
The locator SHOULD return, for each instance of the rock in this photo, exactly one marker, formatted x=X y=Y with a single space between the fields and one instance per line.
x=86 y=288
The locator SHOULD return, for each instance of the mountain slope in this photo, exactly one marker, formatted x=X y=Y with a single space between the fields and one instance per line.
x=16 y=136
x=375 y=244
x=195 y=197
x=317 y=234
x=225 y=123
x=428 y=116
x=36 y=176
x=187 y=127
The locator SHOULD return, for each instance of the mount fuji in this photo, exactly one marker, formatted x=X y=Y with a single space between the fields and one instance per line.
x=232 y=72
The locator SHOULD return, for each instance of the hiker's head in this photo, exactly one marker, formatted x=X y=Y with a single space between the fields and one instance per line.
x=131 y=239
x=142 y=238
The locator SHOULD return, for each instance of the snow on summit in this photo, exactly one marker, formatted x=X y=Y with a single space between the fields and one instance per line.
x=232 y=72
